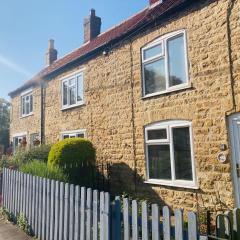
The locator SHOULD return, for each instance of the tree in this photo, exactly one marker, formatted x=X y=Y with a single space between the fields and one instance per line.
x=4 y=122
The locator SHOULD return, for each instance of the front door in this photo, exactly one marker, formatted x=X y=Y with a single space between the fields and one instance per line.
x=234 y=127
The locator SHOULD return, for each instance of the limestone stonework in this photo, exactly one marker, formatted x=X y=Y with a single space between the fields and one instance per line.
x=114 y=113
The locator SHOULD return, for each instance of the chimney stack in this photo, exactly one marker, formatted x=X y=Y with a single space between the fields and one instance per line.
x=92 y=26
x=151 y=2
x=51 y=54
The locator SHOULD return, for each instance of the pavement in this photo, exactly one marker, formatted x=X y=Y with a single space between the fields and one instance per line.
x=10 y=232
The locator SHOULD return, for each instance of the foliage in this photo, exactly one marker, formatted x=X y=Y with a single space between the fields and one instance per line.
x=40 y=169
x=4 y=122
x=38 y=152
x=72 y=155
x=7 y=162
x=23 y=224
x=7 y=215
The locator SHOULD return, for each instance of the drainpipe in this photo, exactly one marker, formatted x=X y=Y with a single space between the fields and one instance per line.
x=230 y=59
x=42 y=138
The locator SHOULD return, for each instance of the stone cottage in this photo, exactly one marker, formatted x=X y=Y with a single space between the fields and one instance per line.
x=159 y=97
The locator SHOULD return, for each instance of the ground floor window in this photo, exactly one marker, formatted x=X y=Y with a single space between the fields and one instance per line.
x=169 y=153
x=19 y=142
x=74 y=134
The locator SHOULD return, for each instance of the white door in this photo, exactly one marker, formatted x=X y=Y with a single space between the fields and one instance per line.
x=234 y=127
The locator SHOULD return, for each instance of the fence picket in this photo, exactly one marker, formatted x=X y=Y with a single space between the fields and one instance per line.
x=155 y=222
x=36 y=206
x=117 y=219
x=19 y=193
x=66 y=213
x=95 y=215
x=52 y=201
x=178 y=224
x=44 y=207
x=102 y=216
x=145 y=235
x=61 y=211
x=221 y=226
x=166 y=223
x=89 y=214
x=71 y=212
x=4 y=187
x=126 y=219
x=56 y=211
x=32 y=209
x=22 y=193
x=236 y=223
x=15 y=192
x=192 y=226
x=40 y=209
x=30 y=199
x=134 y=220
x=83 y=207
x=106 y=216
x=77 y=213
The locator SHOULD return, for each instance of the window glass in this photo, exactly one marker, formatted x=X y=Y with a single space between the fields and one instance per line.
x=159 y=162
x=176 y=61
x=72 y=93
x=153 y=51
x=155 y=79
x=65 y=93
x=157 y=134
x=27 y=104
x=31 y=103
x=80 y=88
x=80 y=135
x=23 y=106
x=165 y=65
x=182 y=153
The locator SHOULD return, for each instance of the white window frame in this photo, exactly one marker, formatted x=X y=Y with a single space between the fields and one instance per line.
x=24 y=95
x=67 y=79
x=19 y=136
x=169 y=125
x=163 y=40
x=73 y=133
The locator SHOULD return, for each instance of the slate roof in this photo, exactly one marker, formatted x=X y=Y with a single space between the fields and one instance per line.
x=117 y=33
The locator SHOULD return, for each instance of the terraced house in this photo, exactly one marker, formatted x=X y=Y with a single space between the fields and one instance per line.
x=159 y=97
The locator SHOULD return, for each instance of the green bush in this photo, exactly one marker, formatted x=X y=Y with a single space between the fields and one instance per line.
x=40 y=169
x=73 y=155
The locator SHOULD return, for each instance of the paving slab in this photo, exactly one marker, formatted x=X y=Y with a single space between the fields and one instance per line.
x=8 y=231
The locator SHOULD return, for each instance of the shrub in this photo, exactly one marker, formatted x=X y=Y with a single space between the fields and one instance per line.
x=38 y=152
x=40 y=169
x=72 y=155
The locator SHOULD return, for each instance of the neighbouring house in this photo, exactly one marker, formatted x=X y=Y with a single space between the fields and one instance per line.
x=159 y=97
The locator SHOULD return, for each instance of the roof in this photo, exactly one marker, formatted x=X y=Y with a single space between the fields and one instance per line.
x=114 y=34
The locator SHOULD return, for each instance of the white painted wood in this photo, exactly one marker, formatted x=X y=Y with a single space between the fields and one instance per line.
x=134 y=220
x=126 y=224
x=102 y=200
x=61 y=211
x=48 y=209
x=89 y=215
x=83 y=208
x=145 y=235
x=95 y=214
x=77 y=213
x=56 y=210
x=71 y=212
x=106 y=216
x=52 y=208
x=155 y=222
x=166 y=223
x=192 y=226
x=44 y=208
x=40 y=208
x=178 y=224
x=66 y=213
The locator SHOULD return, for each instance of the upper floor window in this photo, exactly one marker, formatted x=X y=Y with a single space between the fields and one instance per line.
x=26 y=104
x=169 y=154
x=74 y=134
x=164 y=64
x=72 y=91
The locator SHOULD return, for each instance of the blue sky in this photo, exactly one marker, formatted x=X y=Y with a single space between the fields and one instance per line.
x=26 y=26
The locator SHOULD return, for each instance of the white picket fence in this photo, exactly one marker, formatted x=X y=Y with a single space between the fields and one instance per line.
x=59 y=211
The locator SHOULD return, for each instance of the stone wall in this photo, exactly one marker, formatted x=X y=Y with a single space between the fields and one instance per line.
x=114 y=113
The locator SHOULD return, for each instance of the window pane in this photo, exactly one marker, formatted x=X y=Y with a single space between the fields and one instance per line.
x=27 y=107
x=153 y=51
x=154 y=74
x=159 y=162
x=72 y=93
x=23 y=106
x=31 y=103
x=65 y=136
x=176 y=61
x=157 y=134
x=65 y=93
x=79 y=88
x=182 y=153
x=80 y=135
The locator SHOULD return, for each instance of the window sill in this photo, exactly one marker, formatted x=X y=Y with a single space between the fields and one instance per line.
x=171 y=90
x=72 y=106
x=25 y=116
x=189 y=185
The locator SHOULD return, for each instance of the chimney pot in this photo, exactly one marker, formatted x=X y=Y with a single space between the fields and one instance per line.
x=92 y=26
x=51 y=54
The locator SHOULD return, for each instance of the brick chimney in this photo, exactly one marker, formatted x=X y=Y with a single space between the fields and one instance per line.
x=92 y=26
x=51 y=54
x=151 y=2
